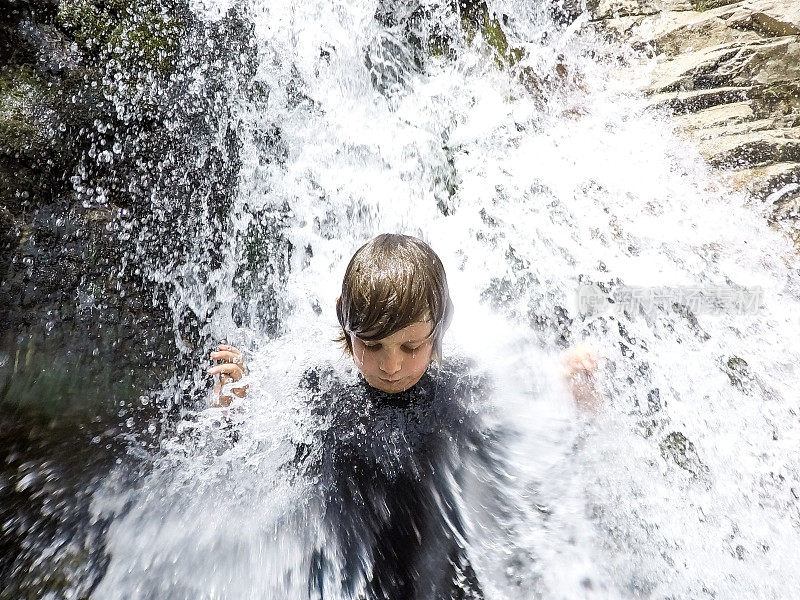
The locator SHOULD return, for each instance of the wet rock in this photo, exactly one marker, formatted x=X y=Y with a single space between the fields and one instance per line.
x=764 y=181
x=94 y=124
x=679 y=449
x=566 y=12
x=97 y=123
x=786 y=203
x=739 y=373
x=612 y=9
x=691 y=319
x=51 y=46
x=390 y=65
x=730 y=72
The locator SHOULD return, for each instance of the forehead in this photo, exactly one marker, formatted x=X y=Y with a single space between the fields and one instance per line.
x=415 y=332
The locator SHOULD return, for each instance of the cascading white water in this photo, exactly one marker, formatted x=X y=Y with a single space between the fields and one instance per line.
x=685 y=485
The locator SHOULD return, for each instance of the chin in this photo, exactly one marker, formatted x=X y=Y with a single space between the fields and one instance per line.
x=394 y=387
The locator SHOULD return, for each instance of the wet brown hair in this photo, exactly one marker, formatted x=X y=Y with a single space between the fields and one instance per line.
x=391 y=282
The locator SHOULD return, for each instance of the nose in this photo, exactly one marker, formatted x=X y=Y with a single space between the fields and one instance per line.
x=391 y=362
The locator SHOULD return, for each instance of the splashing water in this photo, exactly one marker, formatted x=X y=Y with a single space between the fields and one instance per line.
x=527 y=181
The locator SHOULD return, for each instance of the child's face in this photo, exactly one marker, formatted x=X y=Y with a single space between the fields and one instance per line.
x=395 y=363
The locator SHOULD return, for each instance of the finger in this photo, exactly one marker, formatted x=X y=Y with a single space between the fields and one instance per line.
x=570 y=370
x=227 y=356
x=576 y=362
x=229 y=348
x=569 y=367
x=236 y=372
x=230 y=369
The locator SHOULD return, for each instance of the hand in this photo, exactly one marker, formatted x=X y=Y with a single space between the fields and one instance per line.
x=231 y=369
x=578 y=367
x=580 y=360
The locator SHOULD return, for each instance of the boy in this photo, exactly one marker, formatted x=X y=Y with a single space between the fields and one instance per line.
x=390 y=449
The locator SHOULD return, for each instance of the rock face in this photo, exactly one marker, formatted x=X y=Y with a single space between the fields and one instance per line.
x=93 y=105
x=730 y=73
x=98 y=123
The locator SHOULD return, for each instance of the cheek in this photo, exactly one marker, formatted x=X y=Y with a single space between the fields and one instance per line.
x=421 y=361
x=364 y=360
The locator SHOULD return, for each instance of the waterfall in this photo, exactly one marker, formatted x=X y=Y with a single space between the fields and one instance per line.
x=532 y=168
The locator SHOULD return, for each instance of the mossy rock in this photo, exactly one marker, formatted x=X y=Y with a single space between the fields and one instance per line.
x=148 y=39
x=136 y=35
x=476 y=18
x=778 y=99
x=679 y=449
x=494 y=35
x=88 y=23
x=739 y=374
x=24 y=96
x=703 y=5
x=33 y=149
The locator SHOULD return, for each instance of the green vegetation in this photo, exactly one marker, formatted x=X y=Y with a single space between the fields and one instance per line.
x=22 y=93
x=703 y=5
x=135 y=34
x=475 y=18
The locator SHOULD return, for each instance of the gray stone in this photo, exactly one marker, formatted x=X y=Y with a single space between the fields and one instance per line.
x=729 y=72
x=751 y=148
x=681 y=103
x=770 y=18
x=610 y=9
x=761 y=182
x=716 y=115
x=785 y=204
x=679 y=449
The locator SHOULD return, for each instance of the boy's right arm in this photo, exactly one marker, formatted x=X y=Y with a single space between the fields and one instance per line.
x=578 y=367
x=230 y=369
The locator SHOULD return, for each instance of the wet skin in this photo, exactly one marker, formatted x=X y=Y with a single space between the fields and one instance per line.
x=397 y=362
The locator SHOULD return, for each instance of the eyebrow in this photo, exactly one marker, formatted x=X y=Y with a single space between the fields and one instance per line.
x=414 y=341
